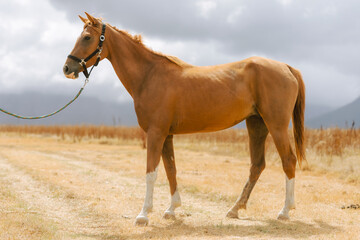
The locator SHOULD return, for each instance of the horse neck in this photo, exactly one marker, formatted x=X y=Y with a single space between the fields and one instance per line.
x=130 y=60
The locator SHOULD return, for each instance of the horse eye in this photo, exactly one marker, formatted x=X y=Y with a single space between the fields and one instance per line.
x=87 y=38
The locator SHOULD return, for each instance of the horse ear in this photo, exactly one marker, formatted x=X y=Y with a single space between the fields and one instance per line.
x=83 y=19
x=93 y=20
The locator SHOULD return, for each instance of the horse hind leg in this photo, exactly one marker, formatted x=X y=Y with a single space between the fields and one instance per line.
x=257 y=135
x=288 y=159
x=170 y=168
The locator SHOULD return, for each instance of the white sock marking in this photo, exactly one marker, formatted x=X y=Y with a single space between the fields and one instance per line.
x=290 y=188
x=148 y=203
x=289 y=200
x=175 y=202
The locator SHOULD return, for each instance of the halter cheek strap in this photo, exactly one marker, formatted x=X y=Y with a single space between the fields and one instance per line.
x=97 y=52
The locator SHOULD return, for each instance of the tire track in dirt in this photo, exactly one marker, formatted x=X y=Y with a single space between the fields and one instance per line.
x=67 y=214
x=199 y=210
x=112 y=184
x=135 y=187
x=203 y=210
x=97 y=201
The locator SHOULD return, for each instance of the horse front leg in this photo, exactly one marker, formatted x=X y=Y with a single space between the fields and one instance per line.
x=155 y=141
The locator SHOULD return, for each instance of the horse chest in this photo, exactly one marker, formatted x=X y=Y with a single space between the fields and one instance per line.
x=153 y=113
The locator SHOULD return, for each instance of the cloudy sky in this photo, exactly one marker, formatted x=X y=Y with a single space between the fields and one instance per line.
x=319 y=37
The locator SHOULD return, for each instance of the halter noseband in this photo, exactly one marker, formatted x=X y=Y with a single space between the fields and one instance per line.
x=97 y=51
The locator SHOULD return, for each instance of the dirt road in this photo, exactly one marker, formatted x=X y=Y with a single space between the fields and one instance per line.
x=51 y=189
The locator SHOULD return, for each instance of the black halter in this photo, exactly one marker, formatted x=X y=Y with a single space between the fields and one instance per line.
x=97 y=51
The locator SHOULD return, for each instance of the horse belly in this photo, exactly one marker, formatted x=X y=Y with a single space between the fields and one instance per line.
x=211 y=114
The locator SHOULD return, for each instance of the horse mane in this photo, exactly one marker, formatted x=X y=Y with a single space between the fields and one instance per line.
x=137 y=38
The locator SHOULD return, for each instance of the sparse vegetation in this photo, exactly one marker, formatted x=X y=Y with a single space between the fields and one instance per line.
x=335 y=150
x=331 y=142
x=87 y=182
x=79 y=133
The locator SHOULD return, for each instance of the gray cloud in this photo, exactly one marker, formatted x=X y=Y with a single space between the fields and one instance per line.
x=268 y=25
x=321 y=34
x=321 y=38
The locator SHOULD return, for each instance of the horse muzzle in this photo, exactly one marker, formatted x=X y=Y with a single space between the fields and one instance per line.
x=69 y=72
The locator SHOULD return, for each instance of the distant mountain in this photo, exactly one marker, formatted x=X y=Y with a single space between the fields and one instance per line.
x=341 y=117
x=313 y=110
x=85 y=110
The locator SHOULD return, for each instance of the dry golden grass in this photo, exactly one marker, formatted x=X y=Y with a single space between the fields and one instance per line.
x=333 y=151
x=88 y=182
x=78 y=133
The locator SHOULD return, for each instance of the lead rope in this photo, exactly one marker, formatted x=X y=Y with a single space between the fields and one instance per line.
x=51 y=114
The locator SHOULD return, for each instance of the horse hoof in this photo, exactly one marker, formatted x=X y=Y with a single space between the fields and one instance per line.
x=169 y=215
x=232 y=214
x=283 y=217
x=141 y=221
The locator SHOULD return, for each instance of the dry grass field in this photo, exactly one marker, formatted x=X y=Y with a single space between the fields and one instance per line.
x=88 y=182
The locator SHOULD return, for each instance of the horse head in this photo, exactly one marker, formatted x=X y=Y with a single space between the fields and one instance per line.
x=88 y=49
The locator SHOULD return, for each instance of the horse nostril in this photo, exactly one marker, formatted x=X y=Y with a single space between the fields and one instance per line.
x=65 y=68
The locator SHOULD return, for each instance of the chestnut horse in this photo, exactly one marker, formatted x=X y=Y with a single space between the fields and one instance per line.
x=173 y=97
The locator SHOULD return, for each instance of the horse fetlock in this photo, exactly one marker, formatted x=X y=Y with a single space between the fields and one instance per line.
x=175 y=200
x=242 y=205
x=147 y=208
x=292 y=206
x=176 y=204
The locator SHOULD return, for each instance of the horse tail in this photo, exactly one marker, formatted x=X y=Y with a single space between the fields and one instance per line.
x=298 y=117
